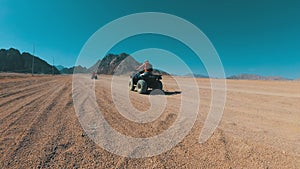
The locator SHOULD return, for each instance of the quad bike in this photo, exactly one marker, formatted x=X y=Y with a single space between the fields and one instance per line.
x=94 y=76
x=142 y=82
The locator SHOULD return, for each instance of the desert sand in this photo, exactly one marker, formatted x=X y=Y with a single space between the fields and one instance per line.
x=39 y=128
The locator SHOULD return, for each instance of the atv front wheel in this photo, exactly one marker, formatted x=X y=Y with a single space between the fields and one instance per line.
x=131 y=85
x=141 y=86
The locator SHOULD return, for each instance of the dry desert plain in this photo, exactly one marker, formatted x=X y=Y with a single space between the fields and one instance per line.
x=39 y=128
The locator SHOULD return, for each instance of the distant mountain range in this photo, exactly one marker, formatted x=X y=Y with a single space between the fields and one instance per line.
x=111 y=64
x=256 y=77
x=12 y=60
x=196 y=75
x=59 y=67
x=79 y=69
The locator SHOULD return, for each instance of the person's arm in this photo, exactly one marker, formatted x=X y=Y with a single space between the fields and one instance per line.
x=140 y=66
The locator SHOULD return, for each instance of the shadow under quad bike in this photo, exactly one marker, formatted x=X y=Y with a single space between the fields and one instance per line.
x=142 y=82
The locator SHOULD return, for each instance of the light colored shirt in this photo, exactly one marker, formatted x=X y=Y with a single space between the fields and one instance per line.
x=146 y=66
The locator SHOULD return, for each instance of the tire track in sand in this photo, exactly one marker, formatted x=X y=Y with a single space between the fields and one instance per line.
x=19 y=109
x=33 y=115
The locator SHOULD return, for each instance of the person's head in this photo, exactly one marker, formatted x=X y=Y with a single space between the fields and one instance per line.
x=146 y=61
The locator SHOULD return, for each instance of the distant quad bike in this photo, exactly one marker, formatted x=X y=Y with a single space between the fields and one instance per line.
x=142 y=83
x=94 y=76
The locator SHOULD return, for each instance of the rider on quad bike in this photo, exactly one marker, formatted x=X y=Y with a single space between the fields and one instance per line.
x=147 y=68
x=94 y=75
x=145 y=79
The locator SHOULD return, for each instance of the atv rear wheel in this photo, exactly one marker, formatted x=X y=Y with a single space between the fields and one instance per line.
x=131 y=85
x=158 y=85
x=141 y=86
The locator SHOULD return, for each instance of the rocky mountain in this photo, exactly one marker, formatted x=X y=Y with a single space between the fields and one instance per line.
x=78 y=69
x=126 y=66
x=12 y=60
x=256 y=77
x=94 y=67
x=59 y=67
x=121 y=64
x=117 y=64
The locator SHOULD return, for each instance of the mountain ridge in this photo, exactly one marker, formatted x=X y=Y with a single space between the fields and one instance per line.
x=255 y=77
x=12 y=60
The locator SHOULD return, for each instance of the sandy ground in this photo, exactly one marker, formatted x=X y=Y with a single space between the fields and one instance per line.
x=39 y=128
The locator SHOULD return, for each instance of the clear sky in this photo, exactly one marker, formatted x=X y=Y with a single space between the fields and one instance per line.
x=257 y=36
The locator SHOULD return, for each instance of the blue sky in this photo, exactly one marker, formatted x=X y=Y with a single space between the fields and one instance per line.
x=259 y=37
